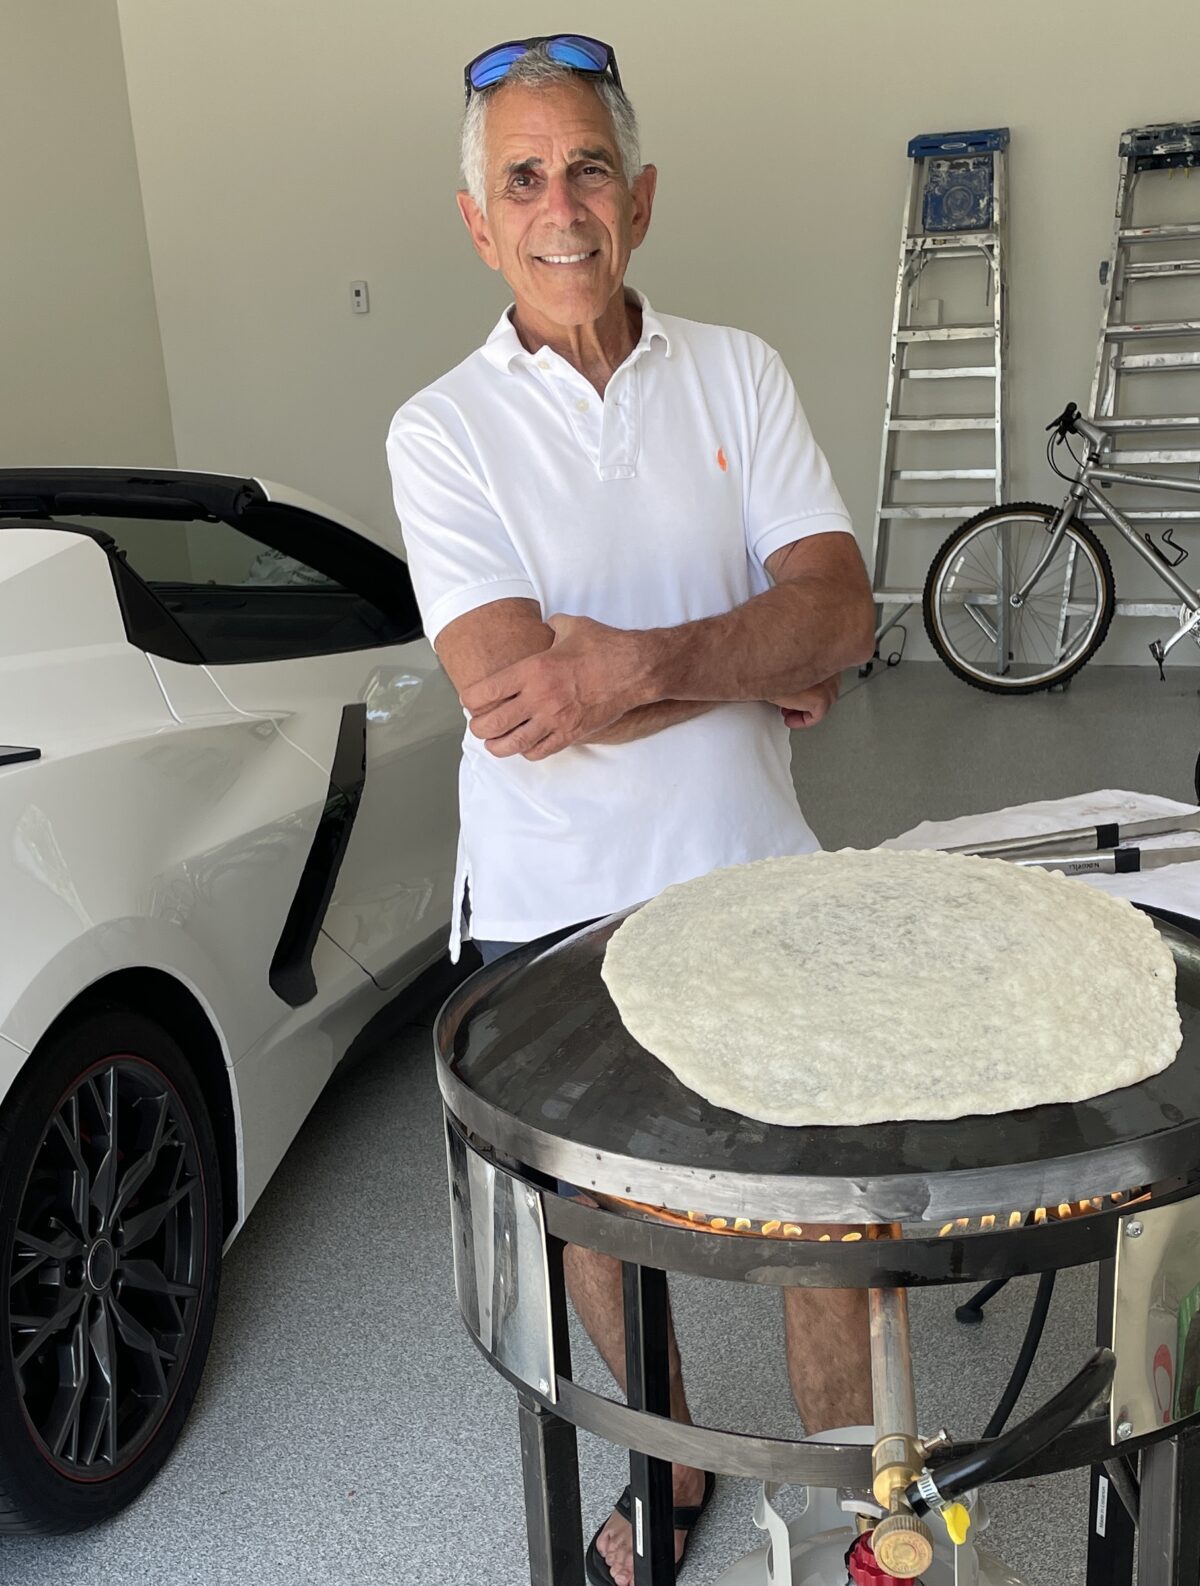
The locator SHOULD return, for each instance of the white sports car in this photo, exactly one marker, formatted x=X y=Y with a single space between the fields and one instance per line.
x=227 y=835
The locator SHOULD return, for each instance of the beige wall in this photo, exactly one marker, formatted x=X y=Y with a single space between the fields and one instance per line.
x=81 y=369
x=290 y=146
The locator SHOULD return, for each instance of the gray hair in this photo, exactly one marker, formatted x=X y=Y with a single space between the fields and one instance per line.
x=535 y=69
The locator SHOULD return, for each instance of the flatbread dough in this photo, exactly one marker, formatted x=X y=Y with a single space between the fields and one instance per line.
x=860 y=987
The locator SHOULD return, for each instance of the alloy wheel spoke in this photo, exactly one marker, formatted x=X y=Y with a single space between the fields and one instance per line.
x=137 y=1337
x=104 y=1184
x=63 y=1422
x=39 y=1251
x=149 y=1275
x=45 y=1327
x=104 y=1352
x=139 y=1171
x=144 y=1225
x=66 y=1121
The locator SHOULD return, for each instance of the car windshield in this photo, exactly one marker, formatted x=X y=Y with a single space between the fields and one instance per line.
x=169 y=553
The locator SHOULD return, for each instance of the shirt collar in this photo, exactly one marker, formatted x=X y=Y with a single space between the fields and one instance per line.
x=503 y=347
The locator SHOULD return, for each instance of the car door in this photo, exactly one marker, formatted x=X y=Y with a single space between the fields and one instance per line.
x=293 y=614
x=354 y=685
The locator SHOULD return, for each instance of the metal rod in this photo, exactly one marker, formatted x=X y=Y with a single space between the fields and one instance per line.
x=1117 y=476
x=648 y=1388
x=1103 y=836
x=893 y=1395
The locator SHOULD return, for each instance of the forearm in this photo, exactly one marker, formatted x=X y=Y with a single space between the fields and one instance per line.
x=775 y=645
x=645 y=720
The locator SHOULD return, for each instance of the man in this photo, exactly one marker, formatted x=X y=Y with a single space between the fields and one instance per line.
x=638 y=573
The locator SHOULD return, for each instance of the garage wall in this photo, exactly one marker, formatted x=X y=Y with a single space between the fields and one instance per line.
x=81 y=360
x=288 y=147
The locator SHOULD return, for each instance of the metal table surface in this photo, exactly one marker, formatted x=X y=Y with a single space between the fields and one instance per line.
x=533 y=1059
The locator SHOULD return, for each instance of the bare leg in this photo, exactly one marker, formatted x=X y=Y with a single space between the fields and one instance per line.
x=829 y=1353
x=594 y=1284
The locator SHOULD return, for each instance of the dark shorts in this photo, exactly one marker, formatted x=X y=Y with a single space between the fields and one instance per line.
x=491 y=951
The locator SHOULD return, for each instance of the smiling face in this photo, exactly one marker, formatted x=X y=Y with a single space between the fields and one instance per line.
x=560 y=220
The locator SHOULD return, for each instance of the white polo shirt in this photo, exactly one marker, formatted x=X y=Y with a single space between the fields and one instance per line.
x=656 y=505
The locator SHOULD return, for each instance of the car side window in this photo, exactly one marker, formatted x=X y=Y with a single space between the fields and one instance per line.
x=281 y=585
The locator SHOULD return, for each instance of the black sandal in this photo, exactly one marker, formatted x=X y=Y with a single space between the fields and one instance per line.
x=683 y=1518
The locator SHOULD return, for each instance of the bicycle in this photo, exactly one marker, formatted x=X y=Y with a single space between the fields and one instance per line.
x=1019 y=598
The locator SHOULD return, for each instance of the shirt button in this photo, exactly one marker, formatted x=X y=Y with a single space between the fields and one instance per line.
x=543 y=363
x=582 y=405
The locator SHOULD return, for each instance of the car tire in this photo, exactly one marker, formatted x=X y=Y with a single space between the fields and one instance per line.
x=110 y=1244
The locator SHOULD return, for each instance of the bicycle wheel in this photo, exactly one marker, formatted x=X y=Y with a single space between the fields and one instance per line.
x=1054 y=632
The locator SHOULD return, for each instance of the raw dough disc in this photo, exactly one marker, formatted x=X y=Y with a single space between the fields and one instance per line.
x=865 y=986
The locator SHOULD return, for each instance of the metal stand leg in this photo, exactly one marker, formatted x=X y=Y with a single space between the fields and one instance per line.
x=972 y=1311
x=550 y=1470
x=1169 y=1530
x=1110 y=1530
x=648 y=1387
x=550 y=1460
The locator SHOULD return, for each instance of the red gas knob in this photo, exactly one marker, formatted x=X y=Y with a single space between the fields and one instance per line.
x=865 y=1569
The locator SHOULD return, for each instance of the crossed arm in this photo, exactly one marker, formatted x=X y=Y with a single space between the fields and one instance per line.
x=533 y=686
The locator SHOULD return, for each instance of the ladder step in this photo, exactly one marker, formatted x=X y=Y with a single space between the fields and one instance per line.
x=946 y=333
x=1162 y=327
x=962 y=511
x=1153 y=362
x=1154 y=421
x=1184 y=454
x=1155 y=233
x=1139 y=272
x=968 y=241
x=971 y=371
x=944 y=473
x=949 y=421
x=1147 y=608
x=962 y=252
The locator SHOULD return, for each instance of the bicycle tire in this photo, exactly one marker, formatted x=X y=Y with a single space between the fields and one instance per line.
x=935 y=606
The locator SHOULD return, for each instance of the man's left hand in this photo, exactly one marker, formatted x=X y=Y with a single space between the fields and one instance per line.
x=808 y=707
x=589 y=677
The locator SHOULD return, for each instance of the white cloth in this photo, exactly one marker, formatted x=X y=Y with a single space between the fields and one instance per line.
x=1175 y=887
x=655 y=506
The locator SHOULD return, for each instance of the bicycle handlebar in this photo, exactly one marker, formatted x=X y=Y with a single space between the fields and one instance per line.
x=1065 y=422
x=1071 y=422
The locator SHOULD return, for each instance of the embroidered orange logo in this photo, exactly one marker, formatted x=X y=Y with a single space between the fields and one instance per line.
x=722 y=460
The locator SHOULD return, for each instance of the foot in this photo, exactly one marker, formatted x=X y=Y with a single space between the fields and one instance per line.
x=615 y=1542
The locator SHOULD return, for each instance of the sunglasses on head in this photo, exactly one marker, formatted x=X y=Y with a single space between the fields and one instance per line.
x=575 y=50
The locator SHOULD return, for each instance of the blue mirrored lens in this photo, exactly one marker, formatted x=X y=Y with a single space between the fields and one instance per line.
x=495 y=64
x=579 y=53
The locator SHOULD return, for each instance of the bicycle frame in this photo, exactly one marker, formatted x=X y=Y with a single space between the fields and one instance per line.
x=1088 y=476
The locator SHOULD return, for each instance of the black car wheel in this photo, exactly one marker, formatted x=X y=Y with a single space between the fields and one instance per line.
x=111 y=1217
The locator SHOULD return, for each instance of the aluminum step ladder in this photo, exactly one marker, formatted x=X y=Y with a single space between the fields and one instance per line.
x=943 y=455
x=1146 y=386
